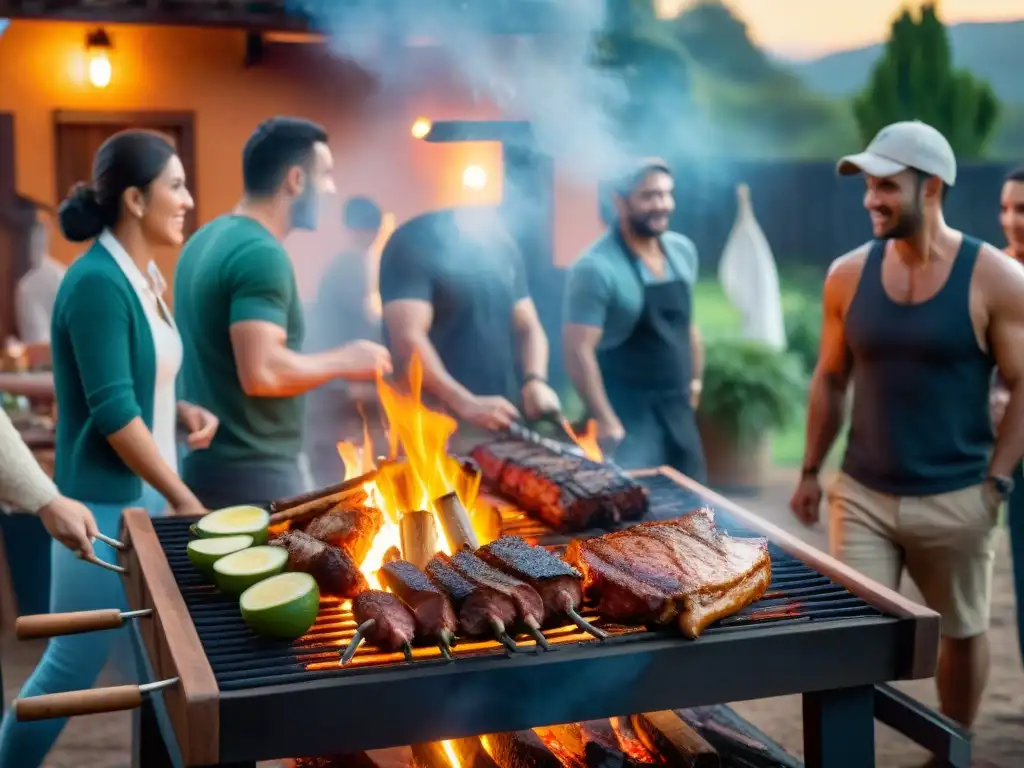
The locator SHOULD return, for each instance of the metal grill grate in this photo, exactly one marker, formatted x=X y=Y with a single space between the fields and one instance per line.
x=242 y=660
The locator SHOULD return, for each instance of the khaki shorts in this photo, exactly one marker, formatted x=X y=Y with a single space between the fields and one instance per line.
x=945 y=541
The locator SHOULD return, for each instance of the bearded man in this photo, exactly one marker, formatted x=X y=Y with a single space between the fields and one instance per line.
x=918 y=320
x=630 y=345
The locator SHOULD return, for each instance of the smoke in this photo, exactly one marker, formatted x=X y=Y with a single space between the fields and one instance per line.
x=550 y=79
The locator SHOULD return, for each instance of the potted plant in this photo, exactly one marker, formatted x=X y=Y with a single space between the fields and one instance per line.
x=750 y=391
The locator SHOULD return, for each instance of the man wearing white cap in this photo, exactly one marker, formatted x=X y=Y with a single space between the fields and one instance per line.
x=917 y=320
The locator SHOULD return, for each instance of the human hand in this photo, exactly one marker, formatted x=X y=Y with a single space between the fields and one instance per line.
x=805 y=502
x=362 y=359
x=610 y=434
x=488 y=412
x=188 y=508
x=539 y=399
x=71 y=523
x=200 y=423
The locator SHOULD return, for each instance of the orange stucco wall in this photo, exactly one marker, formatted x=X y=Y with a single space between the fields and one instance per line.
x=43 y=66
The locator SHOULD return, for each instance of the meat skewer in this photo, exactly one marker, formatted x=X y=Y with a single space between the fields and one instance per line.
x=480 y=608
x=382 y=620
x=428 y=603
x=529 y=606
x=559 y=584
x=331 y=567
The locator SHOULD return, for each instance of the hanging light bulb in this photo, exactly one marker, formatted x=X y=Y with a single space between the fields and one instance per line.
x=421 y=127
x=97 y=48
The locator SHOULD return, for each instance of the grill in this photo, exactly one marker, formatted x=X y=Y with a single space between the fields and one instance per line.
x=821 y=630
x=240 y=660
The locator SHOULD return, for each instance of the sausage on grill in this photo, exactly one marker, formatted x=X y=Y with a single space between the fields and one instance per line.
x=393 y=625
x=430 y=606
x=331 y=567
x=481 y=610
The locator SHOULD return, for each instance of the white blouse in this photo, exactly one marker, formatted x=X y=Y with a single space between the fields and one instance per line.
x=166 y=341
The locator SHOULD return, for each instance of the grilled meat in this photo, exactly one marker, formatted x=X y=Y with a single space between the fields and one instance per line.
x=352 y=529
x=479 y=607
x=683 y=569
x=333 y=569
x=567 y=492
x=430 y=606
x=393 y=624
x=559 y=584
x=529 y=606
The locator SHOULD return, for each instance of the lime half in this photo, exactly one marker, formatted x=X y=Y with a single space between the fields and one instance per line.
x=205 y=552
x=233 y=521
x=238 y=571
x=282 y=606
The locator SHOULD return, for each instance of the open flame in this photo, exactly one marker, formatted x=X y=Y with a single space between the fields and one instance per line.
x=587 y=441
x=425 y=472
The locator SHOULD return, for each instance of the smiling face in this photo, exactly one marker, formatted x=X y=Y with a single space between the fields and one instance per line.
x=897 y=203
x=164 y=205
x=647 y=210
x=1011 y=215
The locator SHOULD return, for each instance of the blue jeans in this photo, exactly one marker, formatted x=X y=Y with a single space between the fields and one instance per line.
x=1015 y=513
x=72 y=662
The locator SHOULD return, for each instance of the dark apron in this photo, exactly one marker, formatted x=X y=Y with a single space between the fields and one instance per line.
x=648 y=377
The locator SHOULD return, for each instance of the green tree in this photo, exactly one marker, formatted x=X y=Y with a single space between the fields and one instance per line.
x=915 y=80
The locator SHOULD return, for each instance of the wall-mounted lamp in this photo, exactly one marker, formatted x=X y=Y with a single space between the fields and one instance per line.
x=474 y=177
x=97 y=49
x=421 y=127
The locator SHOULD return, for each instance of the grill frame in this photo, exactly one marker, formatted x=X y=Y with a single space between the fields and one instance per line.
x=394 y=706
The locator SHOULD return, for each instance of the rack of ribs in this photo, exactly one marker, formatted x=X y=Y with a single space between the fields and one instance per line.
x=565 y=491
x=684 y=570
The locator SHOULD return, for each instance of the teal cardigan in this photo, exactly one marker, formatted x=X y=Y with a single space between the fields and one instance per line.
x=104 y=375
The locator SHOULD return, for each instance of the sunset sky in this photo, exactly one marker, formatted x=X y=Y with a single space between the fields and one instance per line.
x=807 y=28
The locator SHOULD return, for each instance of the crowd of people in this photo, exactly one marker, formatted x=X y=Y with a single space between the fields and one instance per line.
x=204 y=405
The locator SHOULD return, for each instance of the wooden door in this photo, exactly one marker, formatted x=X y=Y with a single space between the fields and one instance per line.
x=78 y=135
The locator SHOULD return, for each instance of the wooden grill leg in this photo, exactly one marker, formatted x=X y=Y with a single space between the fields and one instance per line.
x=839 y=728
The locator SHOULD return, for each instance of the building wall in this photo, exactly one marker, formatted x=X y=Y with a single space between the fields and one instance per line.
x=44 y=69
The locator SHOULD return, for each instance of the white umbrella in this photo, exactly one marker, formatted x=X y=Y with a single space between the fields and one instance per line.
x=749 y=278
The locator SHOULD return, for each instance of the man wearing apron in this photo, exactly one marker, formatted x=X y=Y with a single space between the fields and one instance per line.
x=631 y=348
x=454 y=291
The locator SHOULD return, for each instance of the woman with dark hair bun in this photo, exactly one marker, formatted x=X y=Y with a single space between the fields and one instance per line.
x=116 y=354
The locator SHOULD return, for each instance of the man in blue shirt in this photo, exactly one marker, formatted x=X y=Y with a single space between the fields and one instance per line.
x=630 y=345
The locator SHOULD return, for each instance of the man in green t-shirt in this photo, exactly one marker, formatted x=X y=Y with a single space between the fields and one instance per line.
x=238 y=310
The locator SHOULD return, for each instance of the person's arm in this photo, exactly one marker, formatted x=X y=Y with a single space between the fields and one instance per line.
x=408 y=322
x=697 y=361
x=261 y=290
x=587 y=296
x=98 y=321
x=23 y=483
x=1004 y=286
x=831 y=377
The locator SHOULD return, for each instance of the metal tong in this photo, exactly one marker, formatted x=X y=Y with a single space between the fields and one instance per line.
x=119 y=545
x=522 y=432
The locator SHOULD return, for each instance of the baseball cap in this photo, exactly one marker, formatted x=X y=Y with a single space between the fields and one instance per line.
x=897 y=147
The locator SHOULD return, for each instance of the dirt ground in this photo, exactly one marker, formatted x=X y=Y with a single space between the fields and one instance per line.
x=102 y=741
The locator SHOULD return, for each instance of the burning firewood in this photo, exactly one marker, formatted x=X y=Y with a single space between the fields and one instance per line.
x=468 y=753
x=666 y=734
x=455 y=522
x=419 y=537
x=736 y=739
x=307 y=505
x=576 y=747
x=519 y=749
x=383 y=621
x=396 y=757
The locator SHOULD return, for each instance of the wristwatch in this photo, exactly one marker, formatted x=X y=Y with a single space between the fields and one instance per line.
x=1002 y=485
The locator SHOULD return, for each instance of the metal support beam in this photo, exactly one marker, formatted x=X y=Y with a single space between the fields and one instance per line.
x=839 y=728
x=944 y=738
